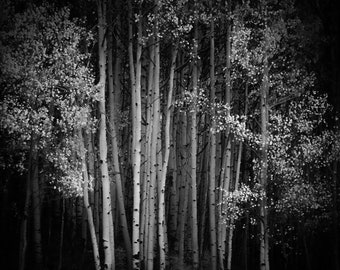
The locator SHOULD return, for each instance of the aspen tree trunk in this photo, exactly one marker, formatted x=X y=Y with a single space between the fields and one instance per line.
x=203 y=187
x=148 y=195
x=154 y=141
x=264 y=246
x=226 y=160
x=97 y=204
x=36 y=215
x=161 y=204
x=92 y=195
x=212 y=170
x=118 y=62
x=136 y=134
x=114 y=85
x=225 y=185
x=4 y=204
x=110 y=86
x=174 y=194
x=161 y=185
x=60 y=264
x=335 y=171
x=232 y=221
x=107 y=211
x=194 y=156
x=119 y=189
x=23 y=225
x=184 y=190
x=84 y=231
x=237 y=180
x=335 y=215
x=154 y=128
x=87 y=205
x=245 y=178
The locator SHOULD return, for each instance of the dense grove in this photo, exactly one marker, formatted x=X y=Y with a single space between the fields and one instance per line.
x=169 y=134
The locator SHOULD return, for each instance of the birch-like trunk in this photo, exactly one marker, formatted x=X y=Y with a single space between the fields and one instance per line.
x=25 y=214
x=114 y=85
x=148 y=194
x=184 y=190
x=107 y=226
x=153 y=133
x=136 y=133
x=195 y=255
x=62 y=223
x=161 y=202
x=264 y=245
x=87 y=205
x=36 y=215
x=212 y=169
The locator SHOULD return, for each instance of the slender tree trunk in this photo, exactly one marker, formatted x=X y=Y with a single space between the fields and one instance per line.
x=60 y=264
x=106 y=196
x=225 y=185
x=23 y=226
x=110 y=86
x=87 y=205
x=212 y=171
x=184 y=190
x=94 y=195
x=335 y=216
x=226 y=156
x=84 y=229
x=161 y=205
x=264 y=247
x=114 y=86
x=305 y=247
x=152 y=167
x=172 y=215
x=136 y=134
x=194 y=156
x=36 y=215
x=232 y=221
x=203 y=187
x=148 y=195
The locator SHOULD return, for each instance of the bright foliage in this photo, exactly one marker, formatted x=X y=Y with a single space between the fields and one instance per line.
x=48 y=87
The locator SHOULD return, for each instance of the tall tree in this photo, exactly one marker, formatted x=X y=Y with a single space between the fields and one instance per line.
x=264 y=244
x=135 y=77
x=212 y=170
x=108 y=245
x=193 y=136
x=87 y=205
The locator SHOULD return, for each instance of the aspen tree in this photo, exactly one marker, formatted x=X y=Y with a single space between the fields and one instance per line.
x=23 y=225
x=93 y=198
x=154 y=129
x=184 y=189
x=110 y=85
x=148 y=195
x=36 y=213
x=237 y=180
x=226 y=154
x=172 y=216
x=136 y=132
x=194 y=154
x=212 y=169
x=264 y=245
x=106 y=196
x=87 y=205
x=183 y=168
x=62 y=226
x=161 y=195
x=113 y=87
